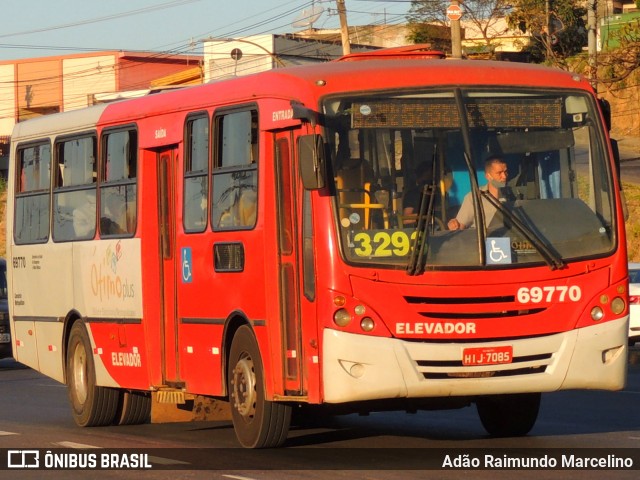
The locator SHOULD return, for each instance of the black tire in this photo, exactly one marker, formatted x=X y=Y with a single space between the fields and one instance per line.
x=91 y=405
x=134 y=408
x=258 y=423
x=509 y=415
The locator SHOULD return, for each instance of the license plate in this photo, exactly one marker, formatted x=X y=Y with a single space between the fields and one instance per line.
x=487 y=355
x=5 y=337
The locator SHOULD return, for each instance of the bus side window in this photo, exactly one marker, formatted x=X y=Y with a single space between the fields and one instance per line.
x=196 y=175
x=32 y=199
x=235 y=180
x=118 y=205
x=74 y=193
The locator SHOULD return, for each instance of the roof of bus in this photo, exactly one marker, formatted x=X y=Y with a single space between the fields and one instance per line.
x=297 y=83
x=68 y=122
x=306 y=84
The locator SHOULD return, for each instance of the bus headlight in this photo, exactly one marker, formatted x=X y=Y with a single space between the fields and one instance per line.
x=367 y=324
x=617 y=305
x=342 y=317
x=597 y=314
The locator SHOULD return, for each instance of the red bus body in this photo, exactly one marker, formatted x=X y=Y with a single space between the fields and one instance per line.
x=432 y=335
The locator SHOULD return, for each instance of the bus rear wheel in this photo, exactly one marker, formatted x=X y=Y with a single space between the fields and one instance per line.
x=134 y=408
x=91 y=405
x=509 y=415
x=258 y=423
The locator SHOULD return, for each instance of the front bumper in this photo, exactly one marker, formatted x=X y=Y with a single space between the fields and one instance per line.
x=360 y=367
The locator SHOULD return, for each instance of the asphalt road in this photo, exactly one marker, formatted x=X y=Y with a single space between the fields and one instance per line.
x=34 y=413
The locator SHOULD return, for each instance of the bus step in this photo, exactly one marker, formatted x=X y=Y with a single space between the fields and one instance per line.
x=170 y=396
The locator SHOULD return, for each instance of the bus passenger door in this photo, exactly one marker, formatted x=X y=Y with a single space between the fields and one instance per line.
x=289 y=274
x=167 y=160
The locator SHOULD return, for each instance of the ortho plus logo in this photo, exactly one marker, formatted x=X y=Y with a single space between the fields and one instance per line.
x=23 y=459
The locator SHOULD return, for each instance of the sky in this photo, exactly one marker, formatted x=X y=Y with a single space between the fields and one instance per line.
x=41 y=28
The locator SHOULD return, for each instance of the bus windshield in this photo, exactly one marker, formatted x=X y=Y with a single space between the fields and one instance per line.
x=415 y=173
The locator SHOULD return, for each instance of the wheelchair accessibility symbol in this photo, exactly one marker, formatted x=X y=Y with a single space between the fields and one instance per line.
x=498 y=251
x=187 y=275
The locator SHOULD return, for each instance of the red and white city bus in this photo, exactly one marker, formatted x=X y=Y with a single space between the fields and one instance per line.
x=267 y=240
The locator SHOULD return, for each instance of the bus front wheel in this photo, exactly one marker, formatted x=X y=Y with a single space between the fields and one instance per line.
x=258 y=423
x=91 y=405
x=509 y=415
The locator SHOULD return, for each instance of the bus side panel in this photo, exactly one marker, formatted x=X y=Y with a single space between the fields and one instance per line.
x=109 y=279
x=209 y=298
x=119 y=357
x=42 y=296
x=201 y=358
x=49 y=337
x=202 y=310
x=26 y=347
x=108 y=293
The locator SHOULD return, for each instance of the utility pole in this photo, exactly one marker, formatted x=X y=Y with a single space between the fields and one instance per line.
x=454 y=13
x=344 y=27
x=592 y=23
x=548 y=42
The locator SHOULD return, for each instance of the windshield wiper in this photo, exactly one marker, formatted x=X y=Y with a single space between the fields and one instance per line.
x=550 y=257
x=420 y=244
x=425 y=219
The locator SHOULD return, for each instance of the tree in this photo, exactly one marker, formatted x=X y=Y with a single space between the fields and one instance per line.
x=427 y=18
x=565 y=19
x=618 y=63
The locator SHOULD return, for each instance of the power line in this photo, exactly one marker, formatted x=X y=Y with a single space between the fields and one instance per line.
x=162 y=6
x=184 y=47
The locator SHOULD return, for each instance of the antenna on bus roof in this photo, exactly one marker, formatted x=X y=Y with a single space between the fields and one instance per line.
x=308 y=16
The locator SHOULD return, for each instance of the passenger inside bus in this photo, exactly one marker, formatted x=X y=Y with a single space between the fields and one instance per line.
x=242 y=212
x=84 y=217
x=117 y=212
x=495 y=171
x=247 y=206
x=113 y=218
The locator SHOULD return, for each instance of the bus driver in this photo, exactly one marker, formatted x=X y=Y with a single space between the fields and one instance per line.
x=495 y=170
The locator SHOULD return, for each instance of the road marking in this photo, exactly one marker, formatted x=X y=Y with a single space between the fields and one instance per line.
x=238 y=477
x=76 y=445
x=2 y=434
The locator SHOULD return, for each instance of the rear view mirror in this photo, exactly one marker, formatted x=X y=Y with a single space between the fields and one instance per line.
x=311 y=161
x=605 y=106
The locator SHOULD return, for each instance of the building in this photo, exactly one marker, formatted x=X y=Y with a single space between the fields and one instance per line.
x=257 y=53
x=382 y=36
x=501 y=41
x=620 y=6
x=608 y=37
x=38 y=86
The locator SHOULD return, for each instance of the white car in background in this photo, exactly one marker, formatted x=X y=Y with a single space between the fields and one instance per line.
x=634 y=303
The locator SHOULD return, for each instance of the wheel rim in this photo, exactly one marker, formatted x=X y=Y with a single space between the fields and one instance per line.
x=79 y=373
x=243 y=383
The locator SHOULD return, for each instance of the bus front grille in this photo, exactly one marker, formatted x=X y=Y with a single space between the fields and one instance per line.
x=469 y=308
